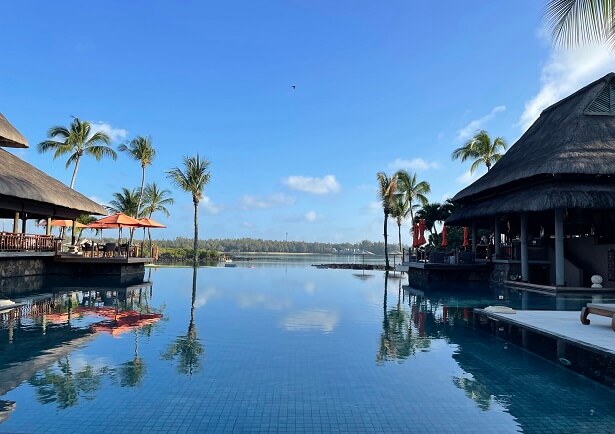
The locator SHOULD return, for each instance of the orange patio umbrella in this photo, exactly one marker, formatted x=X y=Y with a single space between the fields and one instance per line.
x=444 y=240
x=147 y=222
x=126 y=321
x=118 y=220
x=66 y=223
x=466 y=239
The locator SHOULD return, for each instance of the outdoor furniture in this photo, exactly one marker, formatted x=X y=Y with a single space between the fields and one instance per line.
x=109 y=249
x=601 y=309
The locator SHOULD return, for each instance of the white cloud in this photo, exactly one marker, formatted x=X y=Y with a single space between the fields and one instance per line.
x=270 y=201
x=312 y=320
x=247 y=300
x=374 y=206
x=116 y=134
x=413 y=164
x=327 y=184
x=310 y=216
x=467 y=178
x=98 y=200
x=565 y=72
x=209 y=206
x=470 y=129
x=247 y=224
x=204 y=296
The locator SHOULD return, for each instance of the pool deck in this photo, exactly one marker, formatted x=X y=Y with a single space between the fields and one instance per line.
x=565 y=325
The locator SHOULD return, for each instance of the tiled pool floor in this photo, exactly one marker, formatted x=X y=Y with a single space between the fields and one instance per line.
x=284 y=349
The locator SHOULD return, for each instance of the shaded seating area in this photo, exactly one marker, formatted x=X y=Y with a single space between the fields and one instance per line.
x=27 y=194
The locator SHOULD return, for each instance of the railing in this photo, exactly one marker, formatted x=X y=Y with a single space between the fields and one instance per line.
x=439 y=256
x=10 y=242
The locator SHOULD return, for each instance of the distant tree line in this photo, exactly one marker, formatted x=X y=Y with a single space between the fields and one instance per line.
x=238 y=245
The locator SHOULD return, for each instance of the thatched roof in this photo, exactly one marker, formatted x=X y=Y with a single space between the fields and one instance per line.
x=549 y=195
x=22 y=183
x=573 y=136
x=9 y=136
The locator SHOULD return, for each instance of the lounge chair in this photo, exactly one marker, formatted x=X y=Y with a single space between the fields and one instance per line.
x=602 y=309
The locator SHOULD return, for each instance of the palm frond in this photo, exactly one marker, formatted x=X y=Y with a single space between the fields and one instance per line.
x=579 y=22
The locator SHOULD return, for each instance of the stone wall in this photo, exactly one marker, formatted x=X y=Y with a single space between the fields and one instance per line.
x=20 y=267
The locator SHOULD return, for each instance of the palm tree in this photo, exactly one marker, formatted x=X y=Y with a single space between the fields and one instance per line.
x=412 y=190
x=125 y=201
x=192 y=179
x=579 y=22
x=399 y=210
x=77 y=140
x=431 y=213
x=387 y=187
x=482 y=150
x=140 y=148
x=154 y=200
x=84 y=219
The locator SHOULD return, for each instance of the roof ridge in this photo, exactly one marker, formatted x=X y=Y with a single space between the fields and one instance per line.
x=610 y=76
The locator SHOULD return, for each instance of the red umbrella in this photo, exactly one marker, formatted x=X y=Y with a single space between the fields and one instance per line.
x=415 y=235
x=422 y=232
x=444 y=240
x=466 y=240
x=118 y=220
x=150 y=223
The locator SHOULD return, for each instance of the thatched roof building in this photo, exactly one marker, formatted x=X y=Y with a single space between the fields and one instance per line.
x=31 y=192
x=554 y=187
x=566 y=159
x=9 y=136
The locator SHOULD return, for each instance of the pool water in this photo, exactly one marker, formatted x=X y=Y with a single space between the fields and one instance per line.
x=280 y=349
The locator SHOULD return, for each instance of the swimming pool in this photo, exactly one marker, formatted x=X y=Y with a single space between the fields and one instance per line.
x=279 y=348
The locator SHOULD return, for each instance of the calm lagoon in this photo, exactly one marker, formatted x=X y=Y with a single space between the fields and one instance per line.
x=281 y=347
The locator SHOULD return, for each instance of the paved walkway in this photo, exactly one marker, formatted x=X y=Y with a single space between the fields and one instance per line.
x=565 y=325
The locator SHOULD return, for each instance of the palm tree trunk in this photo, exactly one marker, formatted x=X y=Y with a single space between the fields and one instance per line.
x=386 y=247
x=149 y=235
x=72 y=181
x=399 y=234
x=141 y=195
x=196 y=231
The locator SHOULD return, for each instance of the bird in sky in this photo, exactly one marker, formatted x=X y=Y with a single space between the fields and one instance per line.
x=293 y=87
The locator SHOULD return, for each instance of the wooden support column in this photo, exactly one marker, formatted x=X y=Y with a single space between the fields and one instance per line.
x=559 y=247
x=525 y=266
x=473 y=235
x=72 y=239
x=497 y=237
x=48 y=230
x=23 y=223
x=16 y=223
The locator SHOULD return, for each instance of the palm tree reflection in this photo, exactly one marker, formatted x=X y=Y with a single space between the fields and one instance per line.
x=133 y=371
x=63 y=385
x=397 y=341
x=188 y=348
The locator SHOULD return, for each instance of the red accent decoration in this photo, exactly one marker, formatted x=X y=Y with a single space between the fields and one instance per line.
x=444 y=240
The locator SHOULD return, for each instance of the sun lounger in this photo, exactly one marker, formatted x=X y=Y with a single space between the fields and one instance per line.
x=601 y=309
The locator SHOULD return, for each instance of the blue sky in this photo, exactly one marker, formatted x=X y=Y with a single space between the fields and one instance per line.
x=379 y=86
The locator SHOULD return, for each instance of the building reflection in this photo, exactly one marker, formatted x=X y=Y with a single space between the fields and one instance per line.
x=507 y=376
x=38 y=333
